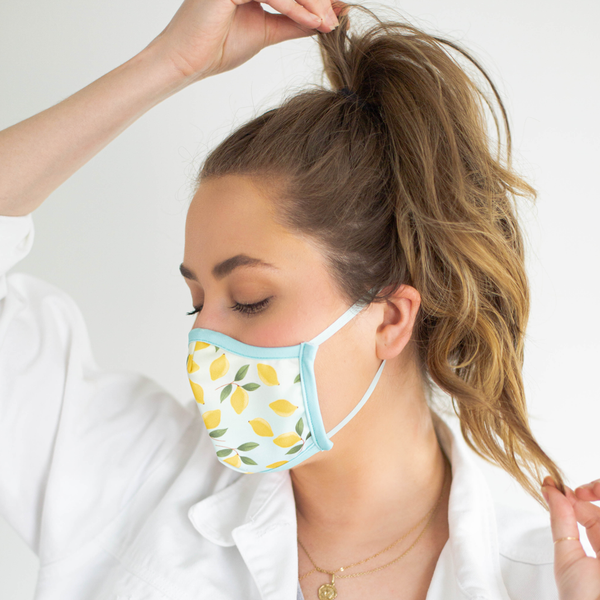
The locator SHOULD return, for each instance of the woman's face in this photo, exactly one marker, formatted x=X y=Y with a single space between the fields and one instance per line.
x=236 y=254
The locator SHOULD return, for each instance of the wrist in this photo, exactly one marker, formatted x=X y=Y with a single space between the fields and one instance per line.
x=174 y=76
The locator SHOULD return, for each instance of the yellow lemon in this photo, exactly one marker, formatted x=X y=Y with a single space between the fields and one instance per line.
x=261 y=427
x=219 y=367
x=234 y=461
x=239 y=399
x=283 y=408
x=200 y=346
x=267 y=374
x=212 y=418
x=276 y=464
x=198 y=392
x=192 y=367
x=285 y=440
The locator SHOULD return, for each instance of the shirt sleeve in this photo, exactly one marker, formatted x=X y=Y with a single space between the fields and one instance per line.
x=76 y=441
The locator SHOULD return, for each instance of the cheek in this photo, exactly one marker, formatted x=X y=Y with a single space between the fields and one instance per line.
x=344 y=367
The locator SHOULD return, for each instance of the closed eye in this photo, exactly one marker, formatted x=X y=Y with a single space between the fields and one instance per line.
x=246 y=309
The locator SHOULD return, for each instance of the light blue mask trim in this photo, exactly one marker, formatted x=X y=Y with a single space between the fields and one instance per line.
x=232 y=345
x=309 y=391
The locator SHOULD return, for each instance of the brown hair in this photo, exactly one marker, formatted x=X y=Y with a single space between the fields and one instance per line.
x=408 y=190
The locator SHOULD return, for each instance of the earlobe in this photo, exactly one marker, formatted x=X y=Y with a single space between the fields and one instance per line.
x=398 y=320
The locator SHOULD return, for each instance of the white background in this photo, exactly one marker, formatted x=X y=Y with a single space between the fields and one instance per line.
x=112 y=236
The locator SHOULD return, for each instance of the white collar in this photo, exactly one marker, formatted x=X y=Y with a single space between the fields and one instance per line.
x=257 y=513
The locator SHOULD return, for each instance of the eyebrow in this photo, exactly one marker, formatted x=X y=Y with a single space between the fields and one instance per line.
x=225 y=267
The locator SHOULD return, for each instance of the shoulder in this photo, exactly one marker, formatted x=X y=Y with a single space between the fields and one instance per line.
x=526 y=553
x=39 y=306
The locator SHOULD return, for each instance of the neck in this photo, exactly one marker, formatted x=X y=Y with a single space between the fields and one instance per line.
x=384 y=473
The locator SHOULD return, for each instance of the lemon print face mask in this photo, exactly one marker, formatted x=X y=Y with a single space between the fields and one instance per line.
x=260 y=404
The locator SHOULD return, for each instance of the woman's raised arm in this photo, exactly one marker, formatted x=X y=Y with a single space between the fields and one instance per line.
x=205 y=37
x=40 y=153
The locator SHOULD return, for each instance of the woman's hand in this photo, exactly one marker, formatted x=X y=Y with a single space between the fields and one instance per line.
x=577 y=575
x=206 y=37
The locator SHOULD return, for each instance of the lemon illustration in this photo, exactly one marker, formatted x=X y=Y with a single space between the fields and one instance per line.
x=212 y=418
x=219 y=367
x=198 y=392
x=200 y=346
x=285 y=440
x=234 y=461
x=192 y=367
x=283 y=408
x=276 y=464
x=261 y=427
x=239 y=399
x=267 y=374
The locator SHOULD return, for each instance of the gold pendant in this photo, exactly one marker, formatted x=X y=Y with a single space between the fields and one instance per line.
x=328 y=591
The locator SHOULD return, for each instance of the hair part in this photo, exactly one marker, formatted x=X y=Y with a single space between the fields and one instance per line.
x=412 y=193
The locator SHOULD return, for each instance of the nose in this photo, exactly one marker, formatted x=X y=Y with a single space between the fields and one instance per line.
x=211 y=316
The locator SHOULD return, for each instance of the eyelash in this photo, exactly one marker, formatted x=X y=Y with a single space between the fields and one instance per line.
x=246 y=309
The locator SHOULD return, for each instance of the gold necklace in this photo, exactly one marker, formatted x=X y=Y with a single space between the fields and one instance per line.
x=328 y=591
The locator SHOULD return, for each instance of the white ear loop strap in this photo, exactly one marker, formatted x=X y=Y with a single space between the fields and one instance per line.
x=338 y=324
x=365 y=397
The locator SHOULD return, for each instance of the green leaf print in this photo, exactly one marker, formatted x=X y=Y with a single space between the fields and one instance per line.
x=307 y=436
x=225 y=391
x=294 y=449
x=216 y=348
x=247 y=446
x=251 y=386
x=217 y=433
x=226 y=452
x=297 y=378
x=300 y=427
x=248 y=461
x=241 y=373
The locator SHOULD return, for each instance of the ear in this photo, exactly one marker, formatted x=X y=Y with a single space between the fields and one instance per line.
x=396 y=327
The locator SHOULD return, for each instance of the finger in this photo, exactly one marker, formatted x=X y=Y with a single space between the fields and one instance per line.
x=300 y=14
x=563 y=524
x=339 y=7
x=281 y=28
x=589 y=516
x=589 y=491
x=323 y=8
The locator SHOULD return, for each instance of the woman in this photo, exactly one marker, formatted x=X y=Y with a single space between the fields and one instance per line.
x=377 y=209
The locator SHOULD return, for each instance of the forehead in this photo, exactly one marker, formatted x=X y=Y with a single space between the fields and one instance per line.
x=231 y=210
x=230 y=200
x=230 y=215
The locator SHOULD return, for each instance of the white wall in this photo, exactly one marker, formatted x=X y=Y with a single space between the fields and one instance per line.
x=112 y=236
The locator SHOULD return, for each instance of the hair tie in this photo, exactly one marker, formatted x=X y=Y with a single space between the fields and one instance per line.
x=347 y=93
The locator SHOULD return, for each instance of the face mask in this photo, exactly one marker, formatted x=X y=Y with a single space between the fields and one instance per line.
x=260 y=404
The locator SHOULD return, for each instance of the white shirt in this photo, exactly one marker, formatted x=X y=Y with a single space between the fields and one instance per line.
x=115 y=485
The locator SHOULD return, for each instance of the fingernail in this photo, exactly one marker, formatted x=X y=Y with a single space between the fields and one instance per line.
x=591 y=484
x=548 y=481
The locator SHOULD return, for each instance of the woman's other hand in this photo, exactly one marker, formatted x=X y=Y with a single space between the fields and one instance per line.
x=206 y=37
x=577 y=575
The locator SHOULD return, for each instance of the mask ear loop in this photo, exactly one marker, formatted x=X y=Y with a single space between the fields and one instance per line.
x=338 y=323
x=362 y=402
x=326 y=334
